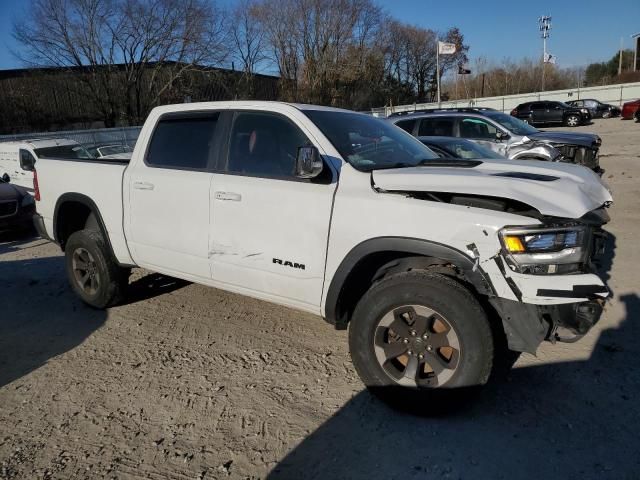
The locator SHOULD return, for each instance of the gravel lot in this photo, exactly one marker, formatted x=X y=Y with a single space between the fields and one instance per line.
x=187 y=382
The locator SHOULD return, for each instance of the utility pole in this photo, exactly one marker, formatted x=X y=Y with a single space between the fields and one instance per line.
x=620 y=59
x=545 y=26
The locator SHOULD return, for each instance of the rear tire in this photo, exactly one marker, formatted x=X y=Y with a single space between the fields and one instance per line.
x=391 y=317
x=92 y=271
x=606 y=114
x=572 y=121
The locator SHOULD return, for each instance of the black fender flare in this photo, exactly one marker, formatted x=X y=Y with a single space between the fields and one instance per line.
x=412 y=246
x=87 y=202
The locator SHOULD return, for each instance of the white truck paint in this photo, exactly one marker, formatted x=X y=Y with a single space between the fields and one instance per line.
x=288 y=241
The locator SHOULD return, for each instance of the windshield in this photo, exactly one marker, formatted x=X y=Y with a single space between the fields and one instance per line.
x=369 y=143
x=513 y=124
x=468 y=150
x=63 y=151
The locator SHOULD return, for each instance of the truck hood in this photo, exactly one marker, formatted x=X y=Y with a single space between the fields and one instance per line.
x=554 y=189
x=564 y=138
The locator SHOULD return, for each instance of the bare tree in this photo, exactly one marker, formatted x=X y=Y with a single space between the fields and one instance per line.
x=130 y=52
x=248 y=37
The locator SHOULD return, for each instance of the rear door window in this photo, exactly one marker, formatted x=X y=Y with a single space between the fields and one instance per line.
x=184 y=142
x=407 y=125
x=26 y=160
x=436 y=127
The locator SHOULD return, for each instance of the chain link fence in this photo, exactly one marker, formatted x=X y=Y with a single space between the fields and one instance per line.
x=614 y=94
x=98 y=136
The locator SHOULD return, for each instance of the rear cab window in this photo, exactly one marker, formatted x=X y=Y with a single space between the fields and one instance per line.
x=184 y=142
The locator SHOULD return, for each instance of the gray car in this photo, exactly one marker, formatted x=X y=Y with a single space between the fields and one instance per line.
x=503 y=134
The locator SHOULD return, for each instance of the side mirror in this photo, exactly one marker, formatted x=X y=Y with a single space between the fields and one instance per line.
x=308 y=162
x=6 y=178
x=500 y=136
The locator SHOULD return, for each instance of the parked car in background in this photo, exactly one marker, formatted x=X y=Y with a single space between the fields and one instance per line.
x=637 y=115
x=17 y=207
x=17 y=157
x=629 y=109
x=503 y=134
x=343 y=215
x=551 y=113
x=596 y=108
x=118 y=151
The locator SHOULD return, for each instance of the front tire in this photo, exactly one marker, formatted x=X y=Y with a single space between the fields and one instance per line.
x=572 y=121
x=92 y=271
x=421 y=342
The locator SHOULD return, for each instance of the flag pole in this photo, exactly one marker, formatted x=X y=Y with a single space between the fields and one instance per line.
x=438 y=70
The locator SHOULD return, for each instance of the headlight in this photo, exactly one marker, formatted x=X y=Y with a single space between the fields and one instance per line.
x=27 y=200
x=545 y=250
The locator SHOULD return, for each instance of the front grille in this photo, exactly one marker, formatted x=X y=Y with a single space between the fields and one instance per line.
x=8 y=208
x=580 y=155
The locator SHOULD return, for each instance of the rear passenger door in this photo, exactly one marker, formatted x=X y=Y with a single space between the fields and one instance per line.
x=168 y=225
x=539 y=112
x=269 y=229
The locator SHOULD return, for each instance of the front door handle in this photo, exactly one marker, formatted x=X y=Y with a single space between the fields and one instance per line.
x=143 y=186
x=231 y=196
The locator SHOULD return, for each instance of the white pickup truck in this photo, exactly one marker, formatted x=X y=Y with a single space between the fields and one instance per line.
x=434 y=265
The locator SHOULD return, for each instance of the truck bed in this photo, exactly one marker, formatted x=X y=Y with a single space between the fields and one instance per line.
x=98 y=181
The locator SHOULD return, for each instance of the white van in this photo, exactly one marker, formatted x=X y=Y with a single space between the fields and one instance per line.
x=17 y=157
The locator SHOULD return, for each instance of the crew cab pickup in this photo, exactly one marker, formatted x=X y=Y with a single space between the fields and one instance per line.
x=436 y=266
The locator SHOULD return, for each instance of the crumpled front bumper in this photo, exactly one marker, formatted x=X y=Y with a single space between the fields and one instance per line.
x=527 y=325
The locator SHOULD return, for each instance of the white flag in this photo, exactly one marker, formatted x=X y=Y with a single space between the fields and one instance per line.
x=446 y=48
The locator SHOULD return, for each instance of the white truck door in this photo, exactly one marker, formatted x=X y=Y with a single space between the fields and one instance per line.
x=269 y=229
x=168 y=225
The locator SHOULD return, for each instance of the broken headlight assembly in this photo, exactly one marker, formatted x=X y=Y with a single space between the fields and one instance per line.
x=543 y=251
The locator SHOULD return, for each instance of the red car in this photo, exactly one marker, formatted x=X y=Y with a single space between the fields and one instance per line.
x=629 y=109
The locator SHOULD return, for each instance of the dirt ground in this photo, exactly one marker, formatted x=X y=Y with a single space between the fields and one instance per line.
x=187 y=382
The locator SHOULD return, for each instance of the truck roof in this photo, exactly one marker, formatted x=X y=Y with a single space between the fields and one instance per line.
x=259 y=104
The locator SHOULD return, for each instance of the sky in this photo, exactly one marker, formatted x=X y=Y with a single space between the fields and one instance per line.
x=583 y=31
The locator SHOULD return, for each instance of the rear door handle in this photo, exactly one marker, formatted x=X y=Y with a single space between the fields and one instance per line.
x=143 y=186
x=230 y=196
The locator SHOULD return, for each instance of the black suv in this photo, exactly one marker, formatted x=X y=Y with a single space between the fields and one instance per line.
x=596 y=108
x=545 y=112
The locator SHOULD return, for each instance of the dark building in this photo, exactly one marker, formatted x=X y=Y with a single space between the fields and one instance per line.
x=50 y=99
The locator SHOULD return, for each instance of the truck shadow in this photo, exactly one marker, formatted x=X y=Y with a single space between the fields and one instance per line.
x=152 y=285
x=40 y=317
x=572 y=420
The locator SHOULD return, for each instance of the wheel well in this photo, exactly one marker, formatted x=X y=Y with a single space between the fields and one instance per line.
x=375 y=266
x=71 y=217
